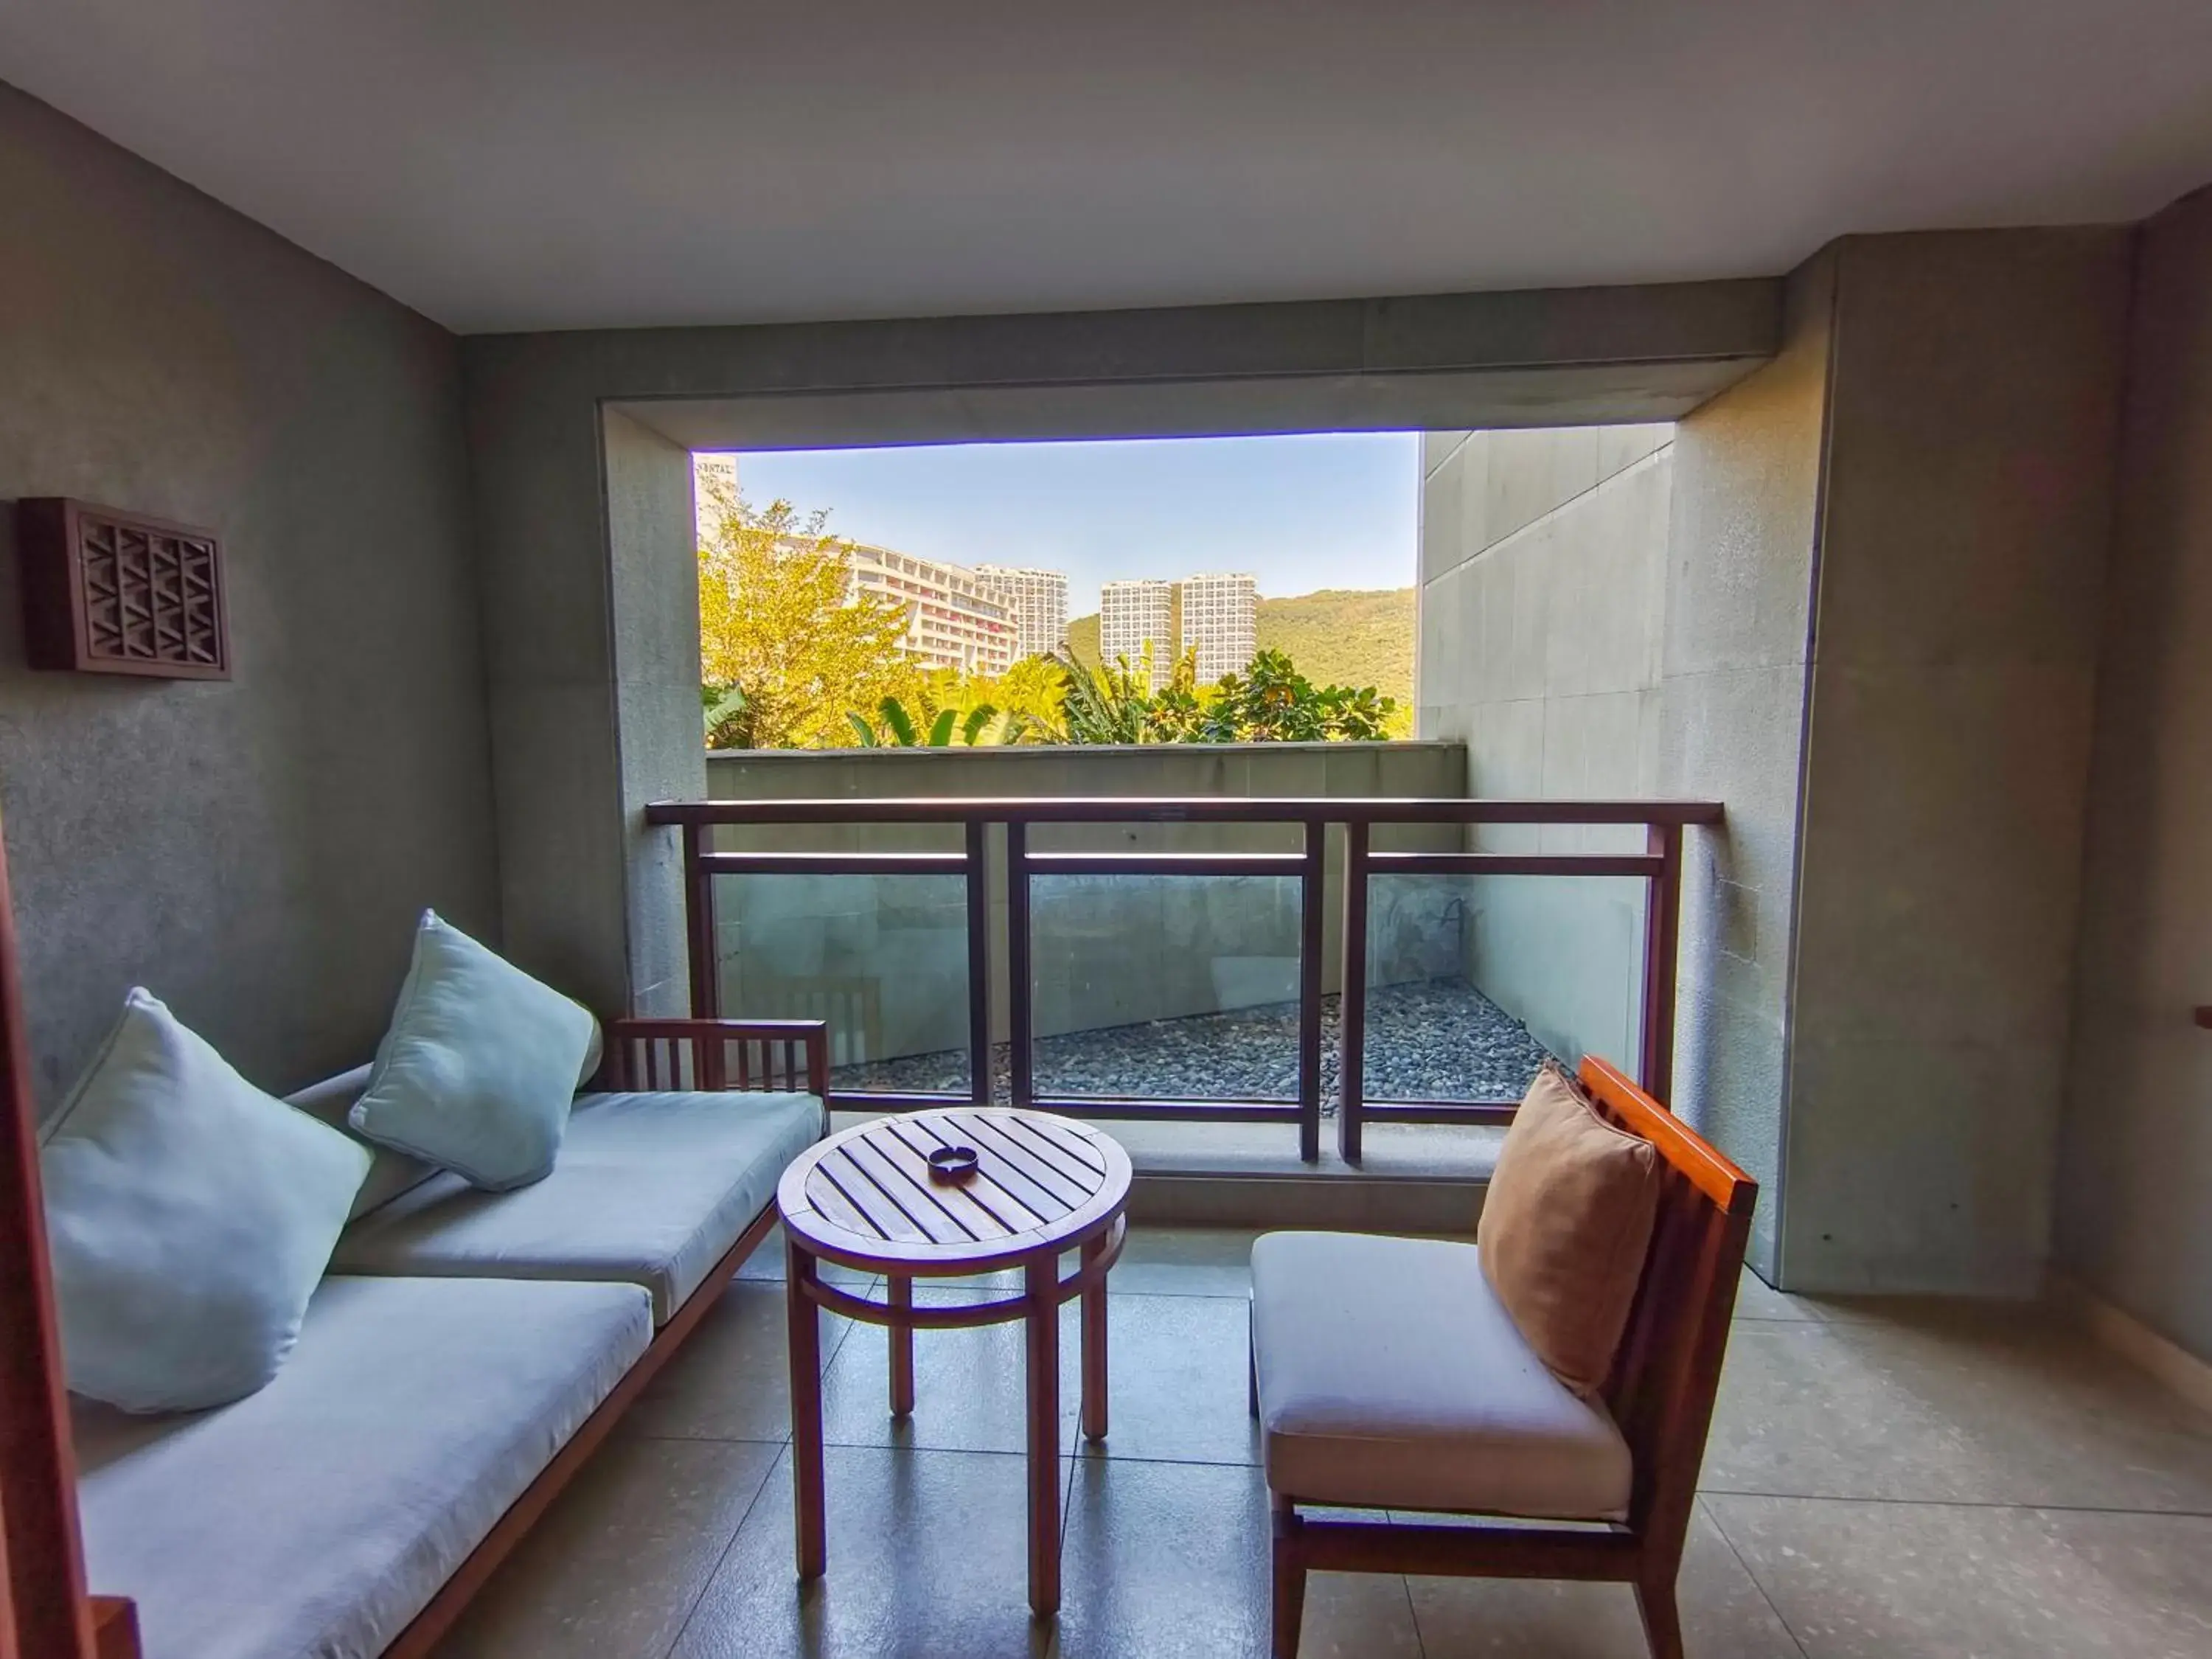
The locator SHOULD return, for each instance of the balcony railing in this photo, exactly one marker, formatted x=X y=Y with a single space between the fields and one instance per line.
x=1434 y=897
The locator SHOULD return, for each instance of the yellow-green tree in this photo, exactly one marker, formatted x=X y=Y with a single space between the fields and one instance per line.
x=785 y=649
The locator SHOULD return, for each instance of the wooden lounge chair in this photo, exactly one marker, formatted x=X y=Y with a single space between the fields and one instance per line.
x=1388 y=1376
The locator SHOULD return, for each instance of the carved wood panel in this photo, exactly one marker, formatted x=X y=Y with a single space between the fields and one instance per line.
x=110 y=592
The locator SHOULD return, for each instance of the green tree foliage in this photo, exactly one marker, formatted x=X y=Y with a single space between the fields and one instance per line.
x=1271 y=702
x=785 y=650
x=900 y=730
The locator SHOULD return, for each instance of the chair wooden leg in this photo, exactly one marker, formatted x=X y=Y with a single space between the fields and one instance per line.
x=1662 y=1627
x=1290 y=1581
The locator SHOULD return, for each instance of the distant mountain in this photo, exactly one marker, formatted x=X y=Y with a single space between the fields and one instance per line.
x=1346 y=636
x=1339 y=636
x=1082 y=639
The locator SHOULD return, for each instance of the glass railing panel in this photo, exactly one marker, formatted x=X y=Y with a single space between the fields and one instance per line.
x=883 y=958
x=1471 y=981
x=1166 y=986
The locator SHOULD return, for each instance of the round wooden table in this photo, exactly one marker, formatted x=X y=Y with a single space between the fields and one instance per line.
x=867 y=1199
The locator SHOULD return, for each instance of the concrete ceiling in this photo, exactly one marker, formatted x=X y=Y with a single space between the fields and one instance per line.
x=524 y=164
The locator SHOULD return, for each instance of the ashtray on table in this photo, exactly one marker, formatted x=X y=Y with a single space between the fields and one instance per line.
x=951 y=1165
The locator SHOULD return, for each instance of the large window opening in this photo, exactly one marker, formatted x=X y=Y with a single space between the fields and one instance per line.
x=1195 y=590
x=1032 y=621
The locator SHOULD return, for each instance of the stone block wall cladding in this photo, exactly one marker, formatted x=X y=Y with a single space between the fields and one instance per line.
x=1543 y=568
x=887 y=955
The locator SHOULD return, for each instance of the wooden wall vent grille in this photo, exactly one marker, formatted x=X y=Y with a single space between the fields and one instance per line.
x=110 y=592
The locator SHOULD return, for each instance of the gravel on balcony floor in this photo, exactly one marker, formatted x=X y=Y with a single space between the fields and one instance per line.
x=1438 y=1039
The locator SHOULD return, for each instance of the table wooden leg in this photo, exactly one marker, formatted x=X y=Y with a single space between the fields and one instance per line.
x=805 y=1341
x=900 y=1295
x=1094 y=1347
x=1041 y=1289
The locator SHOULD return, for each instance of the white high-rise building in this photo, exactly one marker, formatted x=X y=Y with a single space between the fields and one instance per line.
x=953 y=622
x=1132 y=615
x=1037 y=600
x=714 y=487
x=1219 y=619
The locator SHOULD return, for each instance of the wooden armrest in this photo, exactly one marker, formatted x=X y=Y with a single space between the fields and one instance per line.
x=722 y=1053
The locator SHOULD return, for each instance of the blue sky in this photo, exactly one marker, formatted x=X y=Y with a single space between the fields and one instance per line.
x=1325 y=510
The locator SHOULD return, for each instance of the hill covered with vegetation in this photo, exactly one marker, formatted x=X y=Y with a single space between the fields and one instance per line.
x=1338 y=636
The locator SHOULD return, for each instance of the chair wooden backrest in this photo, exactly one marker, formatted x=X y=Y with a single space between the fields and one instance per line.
x=1667 y=1371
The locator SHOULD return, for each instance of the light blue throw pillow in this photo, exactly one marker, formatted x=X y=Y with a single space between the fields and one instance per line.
x=480 y=1066
x=189 y=1218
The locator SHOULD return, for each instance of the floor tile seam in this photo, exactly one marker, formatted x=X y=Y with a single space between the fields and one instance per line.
x=669 y=1438
x=1729 y=1543
x=2021 y=1505
x=1074 y=1448
x=1170 y=1462
x=706 y=1580
x=1156 y=1295
x=1067 y=1515
x=1780 y=1319
x=1413 y=1616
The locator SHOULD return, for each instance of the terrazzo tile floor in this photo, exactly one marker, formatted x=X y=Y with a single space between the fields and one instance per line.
x=1883 y=1479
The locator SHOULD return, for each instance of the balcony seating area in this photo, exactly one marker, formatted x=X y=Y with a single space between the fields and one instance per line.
x=467 y=1352
x=1800 y=533
x=1884 y=1477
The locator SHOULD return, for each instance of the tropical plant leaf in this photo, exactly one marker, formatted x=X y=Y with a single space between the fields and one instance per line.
x=897 y=722
x=862 y=729
x=941 y=729
x=978 y=717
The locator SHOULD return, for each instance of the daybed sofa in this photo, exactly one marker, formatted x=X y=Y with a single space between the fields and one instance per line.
x=466 y=1352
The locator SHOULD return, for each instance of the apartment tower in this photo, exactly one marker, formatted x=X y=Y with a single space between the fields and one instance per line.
x=1220 y=620
x=1132 y=615
x=1035 y=601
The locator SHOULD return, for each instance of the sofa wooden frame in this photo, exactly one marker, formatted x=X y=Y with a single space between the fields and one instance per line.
x=1660 y=1393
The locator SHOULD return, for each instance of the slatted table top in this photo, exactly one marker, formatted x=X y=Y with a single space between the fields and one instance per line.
x=864 y=1197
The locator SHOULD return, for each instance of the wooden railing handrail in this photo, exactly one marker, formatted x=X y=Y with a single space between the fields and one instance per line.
x=1658 y=864
x=1181 y=809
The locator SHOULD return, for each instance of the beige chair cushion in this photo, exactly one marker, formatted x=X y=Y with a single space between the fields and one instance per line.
x=1391 y=1377
x=1565 y=1225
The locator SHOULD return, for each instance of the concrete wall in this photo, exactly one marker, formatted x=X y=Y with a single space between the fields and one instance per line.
x=585 y=600
x=1872 y=633
x=1624 y=611
x=254 y=851
x=653 y=554
x=2135 y=1196
x=1108 y=951
x=1973 y=421
x=1543 y=583
x=1743 y=548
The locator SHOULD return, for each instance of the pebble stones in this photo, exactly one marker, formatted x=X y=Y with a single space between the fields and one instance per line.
x=1439 y=1039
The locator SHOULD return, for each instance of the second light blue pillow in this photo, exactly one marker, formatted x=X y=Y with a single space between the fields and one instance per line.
x=479 y=1067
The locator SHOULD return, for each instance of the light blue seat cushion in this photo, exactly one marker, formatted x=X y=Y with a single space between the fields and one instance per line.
x=190 y=1216
x=477 y=1070
x=652 y=1189
x=320 y=1516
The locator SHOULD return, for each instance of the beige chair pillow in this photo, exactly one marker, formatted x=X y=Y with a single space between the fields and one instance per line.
x=1565 y=1226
